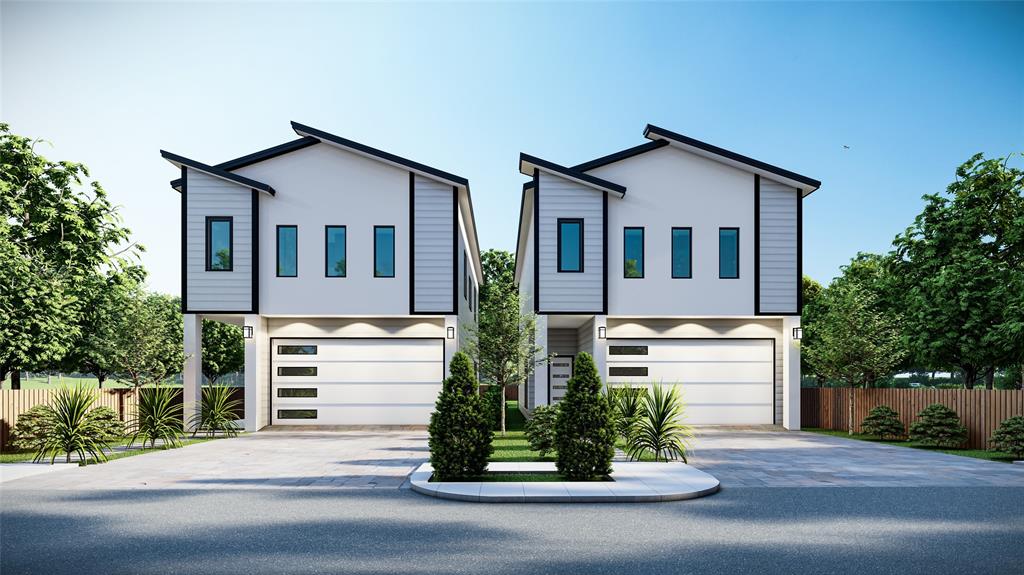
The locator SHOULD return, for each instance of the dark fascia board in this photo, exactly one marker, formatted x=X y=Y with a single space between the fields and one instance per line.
x=304 y=130
x=528 y=162
x=528 y=185
x=619 y=156
x=216 y=172
x=256 y=157
x=654 y=132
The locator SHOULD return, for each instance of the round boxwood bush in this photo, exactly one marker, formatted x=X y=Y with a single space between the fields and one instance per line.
x=540 y=429
x=29 y=433
x=938 y=426
x=884 y=422
x=584 y=430
x=1010 y=436
x=460 y=427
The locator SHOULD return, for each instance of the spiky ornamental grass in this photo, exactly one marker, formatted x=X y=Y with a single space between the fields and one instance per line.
x=938 y=426
x=584 y=430
x=660 y=430
x=72 y=427
x=217 y=413
x=883 y=422
x=158 y=417
x=1010 y=436
x=460 y=426
x=627 y=406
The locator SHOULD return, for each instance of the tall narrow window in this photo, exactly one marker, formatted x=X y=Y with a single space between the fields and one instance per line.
x=729 y=253
x=383 y=251
x=633 y=252
x=465 y=278
x=570 y=245
x=682 y=248
x=334 y=250
x=219 y=243
x=287 y=251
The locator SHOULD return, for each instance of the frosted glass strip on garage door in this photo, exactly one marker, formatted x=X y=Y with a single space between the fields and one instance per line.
x=723 y=381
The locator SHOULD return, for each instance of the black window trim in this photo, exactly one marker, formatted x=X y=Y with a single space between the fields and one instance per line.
x=613 y=348
x=281 y=346
x=313 y=389
x=720 y=276
x=316 y=414
x=277 y=250
x=672 y=262
x=344 y=251
x=646 y=372
x=643 y=252
x=231 y=242
x=315 y=369
x=394 y=243
x=558 y=227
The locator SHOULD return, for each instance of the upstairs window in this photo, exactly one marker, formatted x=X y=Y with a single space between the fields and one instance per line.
x=219 y=243
x=729 y=253
x=570 y=245
x=633 y=252
x=334 y=251
x=682 y=249
x=383 y=251
x=287 y=251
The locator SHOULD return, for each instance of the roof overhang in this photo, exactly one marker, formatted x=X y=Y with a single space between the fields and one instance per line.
x=181 y=161
x=528 y=163
x=805 y=184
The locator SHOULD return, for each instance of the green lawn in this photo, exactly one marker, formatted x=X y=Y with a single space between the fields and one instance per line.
x=975 y=453
x=27 y=456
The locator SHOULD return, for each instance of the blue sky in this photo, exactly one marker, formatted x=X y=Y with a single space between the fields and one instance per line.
x=912 y=89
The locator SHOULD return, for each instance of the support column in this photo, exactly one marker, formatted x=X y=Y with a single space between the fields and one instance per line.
x=790 y=374
x=451 y=345
x=540 y=373
x=257 y=386
x=192 y=374
x=600 y=351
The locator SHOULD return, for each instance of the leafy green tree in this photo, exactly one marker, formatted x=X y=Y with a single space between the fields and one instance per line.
x=502 y=343
x=854 y=342
x=148 y=342
x=961 y=265
x=223 y=349
x=460 y=427
x=813 y=308
x=585 y=429
x=540 y=429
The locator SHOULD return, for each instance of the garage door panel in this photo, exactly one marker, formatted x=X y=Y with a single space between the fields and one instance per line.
x=696 y=350
x=727 y=415
x=391 y=393
x=361 y=372
x=373 y=350
x=684 y=373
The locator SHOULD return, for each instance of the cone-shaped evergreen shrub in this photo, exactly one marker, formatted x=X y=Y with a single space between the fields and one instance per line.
x=460 y=427
x=585 y=430
x=1009 y=437
x=939 y=426
x=884 y=422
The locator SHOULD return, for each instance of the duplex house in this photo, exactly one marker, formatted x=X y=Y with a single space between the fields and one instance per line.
x=354 y=273
x=674 y=261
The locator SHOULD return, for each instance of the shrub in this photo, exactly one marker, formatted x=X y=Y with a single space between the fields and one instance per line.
x=938 y=426
x=660 y=429
x=110 y=426
x=159 y=417
x=540 y=429
x=884 y=422
x=29 y=433
x=584 y=429
x=627 y=406
x=461 y=426
x=72 y=427
x=492 y=402
x=1010 y=436
x=217 y=412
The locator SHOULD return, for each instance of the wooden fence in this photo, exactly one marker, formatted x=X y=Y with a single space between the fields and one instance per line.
x=980 y=410
x=14 y=402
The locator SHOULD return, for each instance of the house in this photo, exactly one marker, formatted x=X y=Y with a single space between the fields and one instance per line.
x=354 y=273
x=673 y=261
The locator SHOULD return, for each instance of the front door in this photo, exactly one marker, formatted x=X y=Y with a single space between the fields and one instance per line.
x=559 y=373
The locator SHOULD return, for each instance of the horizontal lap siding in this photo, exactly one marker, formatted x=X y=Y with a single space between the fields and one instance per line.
x=560 y=198
x=433 y=229
x=980 y=410
x=218 y=291
x=778 y=248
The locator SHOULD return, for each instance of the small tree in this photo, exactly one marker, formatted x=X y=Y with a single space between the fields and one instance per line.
x=148 y=340
x=884 y=422
x=938 y=426
x=540 y=429
x=585 y=429
x=1009 y=437
x=460 y=429
x=223 y=349
x=853 y=341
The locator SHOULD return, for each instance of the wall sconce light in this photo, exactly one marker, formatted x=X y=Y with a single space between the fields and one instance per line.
x=602 y=332
x=451 y=333
x=798 y=333
x=247 y=331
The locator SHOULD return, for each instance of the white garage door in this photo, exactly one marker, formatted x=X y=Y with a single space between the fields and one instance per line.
x=355 y=381
x=723 y=381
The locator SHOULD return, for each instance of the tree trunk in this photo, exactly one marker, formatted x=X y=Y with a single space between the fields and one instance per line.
x=502 y=404
x=820 y=380
x=849 y=409
x=16 y=379
x=970 y=374
x=100 y=377
x=990 y=377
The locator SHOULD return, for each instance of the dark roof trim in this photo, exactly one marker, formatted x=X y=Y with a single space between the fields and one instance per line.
x=528 y=185
x=570 y=173
x=217 y=172
x=654 y=132
x=618 y=156
x=304 y=130
x=260 y=156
